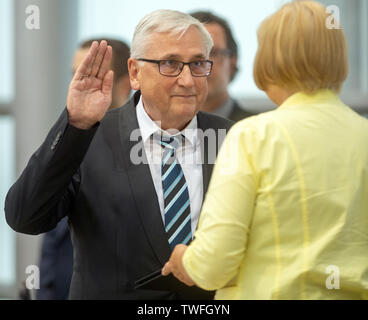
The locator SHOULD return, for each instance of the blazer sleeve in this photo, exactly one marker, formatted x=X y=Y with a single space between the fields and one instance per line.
x=214 y=257
x=45 y=191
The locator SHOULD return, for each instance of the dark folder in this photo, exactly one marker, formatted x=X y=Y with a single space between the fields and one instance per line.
x=156 y=281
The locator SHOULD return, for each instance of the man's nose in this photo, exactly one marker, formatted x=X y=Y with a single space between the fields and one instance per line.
x=185 y=78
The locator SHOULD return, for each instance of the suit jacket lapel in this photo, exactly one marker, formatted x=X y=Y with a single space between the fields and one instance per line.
x=141 y=183
x=207 y=166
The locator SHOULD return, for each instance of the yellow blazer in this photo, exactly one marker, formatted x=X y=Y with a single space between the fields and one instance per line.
x=286 y=214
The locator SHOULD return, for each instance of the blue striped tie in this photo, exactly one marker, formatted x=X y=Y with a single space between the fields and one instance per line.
x=176 y=195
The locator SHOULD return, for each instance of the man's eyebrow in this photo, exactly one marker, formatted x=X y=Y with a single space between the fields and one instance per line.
x=171 y=57
x=199 y=56
x=179 y=58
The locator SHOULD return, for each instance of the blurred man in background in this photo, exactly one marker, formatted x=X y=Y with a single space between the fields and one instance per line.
x=56 y=263
x=121 y=53
x=225 y=57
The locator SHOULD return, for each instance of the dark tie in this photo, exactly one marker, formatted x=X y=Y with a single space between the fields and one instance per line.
x=175 y=192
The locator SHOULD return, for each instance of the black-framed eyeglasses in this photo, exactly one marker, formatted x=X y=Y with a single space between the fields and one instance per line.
x=172 y=68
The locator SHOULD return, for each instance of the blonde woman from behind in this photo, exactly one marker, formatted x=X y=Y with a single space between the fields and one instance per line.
x=286 y=214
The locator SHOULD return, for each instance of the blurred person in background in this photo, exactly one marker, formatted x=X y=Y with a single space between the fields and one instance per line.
x=225 y=57
x=121 y=53
x=287 y=216
x=56 y=259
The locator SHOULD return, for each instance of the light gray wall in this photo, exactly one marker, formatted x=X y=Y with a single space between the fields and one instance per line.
x=43 y=66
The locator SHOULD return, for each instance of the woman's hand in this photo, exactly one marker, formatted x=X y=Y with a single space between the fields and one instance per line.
x=175 y=265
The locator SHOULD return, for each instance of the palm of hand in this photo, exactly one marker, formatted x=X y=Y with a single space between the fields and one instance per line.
x=90 y=92
x=86 y=97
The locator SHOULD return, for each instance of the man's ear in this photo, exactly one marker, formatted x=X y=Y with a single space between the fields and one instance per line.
x=122 y=87
x=234 y=67
x=133 y=67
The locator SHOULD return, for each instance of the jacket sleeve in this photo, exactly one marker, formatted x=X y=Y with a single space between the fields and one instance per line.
x=45 y=191
x=214 y=257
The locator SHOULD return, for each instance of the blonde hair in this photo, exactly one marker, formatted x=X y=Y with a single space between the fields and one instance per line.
x=174 y=22
x=297 y=51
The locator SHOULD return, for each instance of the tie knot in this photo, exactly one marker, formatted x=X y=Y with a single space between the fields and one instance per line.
x=169 y=142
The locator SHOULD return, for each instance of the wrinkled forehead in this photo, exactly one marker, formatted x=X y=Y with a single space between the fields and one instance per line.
x=186 y=44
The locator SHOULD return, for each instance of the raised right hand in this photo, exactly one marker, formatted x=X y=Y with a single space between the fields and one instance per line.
x=90 y=91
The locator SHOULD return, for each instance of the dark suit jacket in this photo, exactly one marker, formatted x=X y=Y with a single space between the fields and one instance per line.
x=238 y=113
x=114 y=216
x=56 y=263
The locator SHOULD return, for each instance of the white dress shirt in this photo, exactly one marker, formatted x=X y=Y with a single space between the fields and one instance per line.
x=188 y=155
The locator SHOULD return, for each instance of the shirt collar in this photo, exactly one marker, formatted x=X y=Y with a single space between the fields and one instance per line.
x=148 y=127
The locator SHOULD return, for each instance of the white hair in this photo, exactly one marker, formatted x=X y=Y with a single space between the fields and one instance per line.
x=174 y=22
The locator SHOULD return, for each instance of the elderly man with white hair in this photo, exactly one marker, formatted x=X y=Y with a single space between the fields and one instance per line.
x=126 y=178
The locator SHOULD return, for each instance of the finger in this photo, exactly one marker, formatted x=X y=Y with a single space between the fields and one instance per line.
x=100 y=55
x=85 y=66
x=166 y=269
x=107 y=83
x=106 y=63
x=95 y=52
